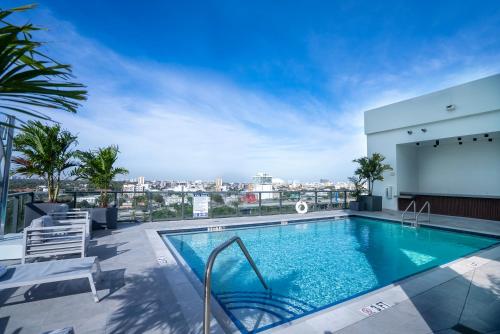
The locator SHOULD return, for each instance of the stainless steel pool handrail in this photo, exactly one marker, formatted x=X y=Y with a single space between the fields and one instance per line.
x=406 y=210
x=208 y=276
x=428 y=205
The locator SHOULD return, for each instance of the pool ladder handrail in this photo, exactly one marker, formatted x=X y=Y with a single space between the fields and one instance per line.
x=406 y=210
x=208 y=276
x=428 y=205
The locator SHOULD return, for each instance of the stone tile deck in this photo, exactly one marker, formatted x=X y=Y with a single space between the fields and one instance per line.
x=138 y=298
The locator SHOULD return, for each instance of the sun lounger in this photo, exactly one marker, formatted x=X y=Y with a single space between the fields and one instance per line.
x=50 y=241
x=52 y=271
x=72 y=218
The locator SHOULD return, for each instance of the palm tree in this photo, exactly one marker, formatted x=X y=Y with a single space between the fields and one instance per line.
x=45 y=152
x=96 y=166
x=371 y=169
x=29 y=79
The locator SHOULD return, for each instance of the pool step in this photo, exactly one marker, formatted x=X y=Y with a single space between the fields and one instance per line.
x=278 y=306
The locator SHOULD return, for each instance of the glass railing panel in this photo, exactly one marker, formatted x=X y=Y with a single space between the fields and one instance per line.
x=289 y=199
x=249 y=204
x=224 y=204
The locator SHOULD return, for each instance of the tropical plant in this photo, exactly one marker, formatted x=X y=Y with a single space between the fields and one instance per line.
x=371 y=169
x=45 y=151
x=29 y=79
x=359 y=184
x=97 y=167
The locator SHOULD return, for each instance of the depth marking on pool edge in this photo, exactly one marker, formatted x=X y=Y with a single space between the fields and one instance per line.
x=374 y=308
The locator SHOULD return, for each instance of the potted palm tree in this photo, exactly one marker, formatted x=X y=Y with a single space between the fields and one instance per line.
x=44 y=151
x=97 y=167
x=371 y=169
x=358 y=183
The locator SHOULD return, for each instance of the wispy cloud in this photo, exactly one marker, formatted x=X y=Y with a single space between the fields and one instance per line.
x=174 y=122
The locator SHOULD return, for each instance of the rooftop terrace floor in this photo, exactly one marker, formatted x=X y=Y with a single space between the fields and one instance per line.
x=137 y=297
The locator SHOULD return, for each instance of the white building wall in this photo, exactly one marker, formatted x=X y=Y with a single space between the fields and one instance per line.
x=407 y=164
x=460 y=169
x=477 y=111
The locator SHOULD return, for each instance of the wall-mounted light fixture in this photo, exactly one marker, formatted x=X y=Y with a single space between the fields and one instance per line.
x=490 y=139
x=459 y=138
x=474 y=139
x=437 y=142
x=435 y=145
x=418 y=144
x=459 y=143
x=423 y=130
x=486 y=135
x=410 y=132
x=450 y=107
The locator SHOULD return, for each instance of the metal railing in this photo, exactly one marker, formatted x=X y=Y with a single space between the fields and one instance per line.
x=428 y=205
x=178 y=205
x=406 y=210
x=208 y=276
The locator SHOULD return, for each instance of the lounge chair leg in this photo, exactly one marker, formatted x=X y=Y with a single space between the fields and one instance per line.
x=98 y=275
x=92 y=287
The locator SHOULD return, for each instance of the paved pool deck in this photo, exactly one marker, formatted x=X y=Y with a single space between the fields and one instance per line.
x=144 y=293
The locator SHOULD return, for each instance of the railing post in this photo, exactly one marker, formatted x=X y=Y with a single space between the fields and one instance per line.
x=281 y=202
x=74 y=200
x=260 y=203
x=116 y=200
x=210 y=210
x=150 y=207
x=182 y=205
x=345 y=199
x=315 y=200
x=32 y=195
x=15 y=212
x=331 y=199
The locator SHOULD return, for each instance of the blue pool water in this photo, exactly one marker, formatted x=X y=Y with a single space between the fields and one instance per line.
x=313 y=265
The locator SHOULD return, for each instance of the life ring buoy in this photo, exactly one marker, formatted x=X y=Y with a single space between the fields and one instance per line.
x=301 y=207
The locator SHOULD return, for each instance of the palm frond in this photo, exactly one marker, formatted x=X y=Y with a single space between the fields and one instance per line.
x=29 y=78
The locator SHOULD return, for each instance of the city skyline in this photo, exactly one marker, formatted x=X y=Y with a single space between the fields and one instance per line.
x=196 y=91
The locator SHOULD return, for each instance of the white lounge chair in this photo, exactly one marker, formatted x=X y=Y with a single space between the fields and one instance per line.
x=76 y=217
x=50 y=241
x=52 y=271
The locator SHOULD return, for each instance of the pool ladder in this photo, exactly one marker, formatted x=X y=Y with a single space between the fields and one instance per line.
x=413 y=222
x=208 y=276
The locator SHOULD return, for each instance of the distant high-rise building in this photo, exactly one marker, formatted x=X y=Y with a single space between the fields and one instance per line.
x=218 y=184
x=140 y=180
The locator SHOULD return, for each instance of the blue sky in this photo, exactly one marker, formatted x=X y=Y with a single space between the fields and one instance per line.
x=196 y=90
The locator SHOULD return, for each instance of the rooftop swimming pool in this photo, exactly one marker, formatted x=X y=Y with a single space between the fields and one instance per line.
x=315 y=264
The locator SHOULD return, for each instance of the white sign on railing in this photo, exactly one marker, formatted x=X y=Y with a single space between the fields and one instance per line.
x=200 y=205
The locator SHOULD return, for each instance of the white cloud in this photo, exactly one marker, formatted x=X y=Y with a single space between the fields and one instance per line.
x=174 y=123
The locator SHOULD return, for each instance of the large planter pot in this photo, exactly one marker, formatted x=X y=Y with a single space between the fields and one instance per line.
x=104 y=217
x=354 y=205
x=36 y=210
x=371 y=203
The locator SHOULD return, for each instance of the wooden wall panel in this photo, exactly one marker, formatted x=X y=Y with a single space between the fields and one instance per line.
x=473 y=207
